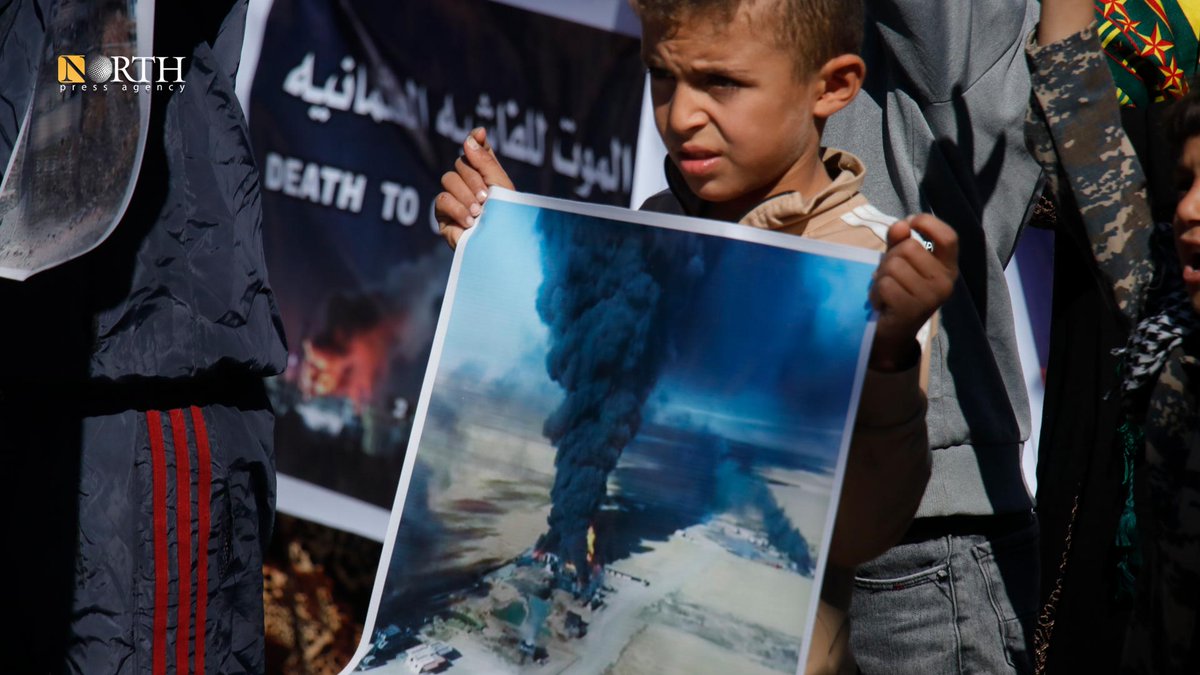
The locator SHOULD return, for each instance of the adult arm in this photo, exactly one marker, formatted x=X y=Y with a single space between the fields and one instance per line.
x=1074 y=131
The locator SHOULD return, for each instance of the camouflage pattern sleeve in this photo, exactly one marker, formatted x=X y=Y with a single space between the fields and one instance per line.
x=1074 y=130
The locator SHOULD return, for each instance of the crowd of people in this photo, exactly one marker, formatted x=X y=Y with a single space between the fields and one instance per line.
x=140 y=393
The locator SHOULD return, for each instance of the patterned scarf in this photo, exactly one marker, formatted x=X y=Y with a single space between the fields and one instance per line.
x=1170 y=318
x=1154 y=338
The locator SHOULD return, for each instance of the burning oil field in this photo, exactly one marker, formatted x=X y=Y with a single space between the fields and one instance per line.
x=612 y=474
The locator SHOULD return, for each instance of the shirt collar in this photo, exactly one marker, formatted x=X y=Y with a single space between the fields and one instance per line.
x=787 y=210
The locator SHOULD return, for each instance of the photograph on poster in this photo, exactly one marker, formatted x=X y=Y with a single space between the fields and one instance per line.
x=627 y=451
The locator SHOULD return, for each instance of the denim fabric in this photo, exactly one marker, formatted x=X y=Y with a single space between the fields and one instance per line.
x=952 y=604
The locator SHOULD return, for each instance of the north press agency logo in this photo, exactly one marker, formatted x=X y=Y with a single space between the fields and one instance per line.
x=98 y=72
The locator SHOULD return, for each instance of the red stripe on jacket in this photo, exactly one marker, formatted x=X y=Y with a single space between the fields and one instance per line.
x=158 y=458
x=204 y=462
x=183 y=539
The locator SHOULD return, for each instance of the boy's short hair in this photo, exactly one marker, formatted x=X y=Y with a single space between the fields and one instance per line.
x=1182 y=119
x=817 y=30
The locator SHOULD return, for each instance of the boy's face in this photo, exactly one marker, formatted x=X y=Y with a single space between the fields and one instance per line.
x=1187 y=217
x=734 y=115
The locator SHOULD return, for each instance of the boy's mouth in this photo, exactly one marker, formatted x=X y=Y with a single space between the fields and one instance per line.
x=695 y=161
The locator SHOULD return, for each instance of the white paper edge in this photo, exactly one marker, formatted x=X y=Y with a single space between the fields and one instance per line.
x=6 y=272
x=690 y=224
x=145 y=48
x=666 y=221
x=410 y=455
x=1032 y=370
x=648 y=175
x=606 y=15
x=257 y=12
x=835 y=497
x=330 y=508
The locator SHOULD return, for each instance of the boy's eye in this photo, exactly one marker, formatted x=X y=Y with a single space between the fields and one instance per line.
x=658 y=73
x=721 y=82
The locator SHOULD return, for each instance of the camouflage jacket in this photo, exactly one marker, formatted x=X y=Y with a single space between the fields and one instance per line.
x=1074 y=131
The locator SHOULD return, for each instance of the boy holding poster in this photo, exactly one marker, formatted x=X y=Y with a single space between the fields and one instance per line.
x=741 y=92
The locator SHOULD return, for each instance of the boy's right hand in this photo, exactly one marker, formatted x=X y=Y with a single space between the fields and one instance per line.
x=466 y=187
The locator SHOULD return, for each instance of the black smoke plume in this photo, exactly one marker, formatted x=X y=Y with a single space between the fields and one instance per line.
x=609 y=296
x=739 y=489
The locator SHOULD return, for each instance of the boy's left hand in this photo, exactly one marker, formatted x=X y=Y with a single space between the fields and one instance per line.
x=910 y=285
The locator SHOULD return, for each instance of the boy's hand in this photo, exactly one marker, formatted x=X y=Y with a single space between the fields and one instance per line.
x=910 y=284
x=466 y=187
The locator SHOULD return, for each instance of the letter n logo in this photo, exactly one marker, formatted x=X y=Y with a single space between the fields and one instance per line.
x=70 y=70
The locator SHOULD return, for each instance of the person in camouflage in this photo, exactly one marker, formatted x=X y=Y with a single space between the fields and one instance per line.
x=1074 y=130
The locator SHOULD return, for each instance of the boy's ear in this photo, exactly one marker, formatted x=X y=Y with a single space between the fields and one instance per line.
x=841 y=79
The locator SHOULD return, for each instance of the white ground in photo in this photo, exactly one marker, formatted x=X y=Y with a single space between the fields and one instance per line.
x=643 y=628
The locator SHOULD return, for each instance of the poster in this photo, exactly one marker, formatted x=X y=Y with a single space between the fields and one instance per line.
x=357 y=109
x=628 y=448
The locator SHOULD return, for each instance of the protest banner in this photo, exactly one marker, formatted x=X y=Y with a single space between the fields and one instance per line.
x=357 y=109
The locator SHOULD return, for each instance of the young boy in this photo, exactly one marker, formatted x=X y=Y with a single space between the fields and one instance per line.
x=741 y=91
x=1075 y=131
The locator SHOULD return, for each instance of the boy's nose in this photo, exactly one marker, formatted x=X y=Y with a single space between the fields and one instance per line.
x=685 y=114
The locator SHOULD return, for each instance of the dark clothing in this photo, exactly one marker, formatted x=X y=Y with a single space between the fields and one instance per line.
x=1098 y=289
x=135 y=433
x=1083 y=465
x=1164 y=633
x=1076 y=132
x=102 y=583
x=179 y=289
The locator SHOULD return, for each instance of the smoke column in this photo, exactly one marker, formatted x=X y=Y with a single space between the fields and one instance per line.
x=738 y=489
x=608 y=301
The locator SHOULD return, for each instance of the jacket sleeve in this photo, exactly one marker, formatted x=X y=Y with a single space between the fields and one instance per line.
x=1074 y=131
x=886 y=470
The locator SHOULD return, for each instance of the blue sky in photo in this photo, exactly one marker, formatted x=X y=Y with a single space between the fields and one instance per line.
x=495 y=325
x=765 y=355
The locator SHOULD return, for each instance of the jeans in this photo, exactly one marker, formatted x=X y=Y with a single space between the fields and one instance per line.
x=955 y=603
